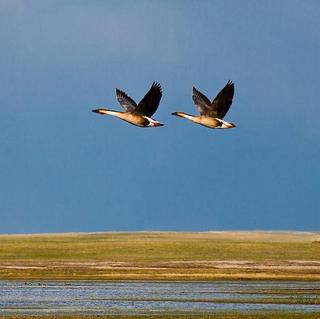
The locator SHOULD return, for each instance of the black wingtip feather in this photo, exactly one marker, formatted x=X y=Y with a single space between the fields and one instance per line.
x=195 y=91
x=156 y=85
x=118 y=91
x=230 y=83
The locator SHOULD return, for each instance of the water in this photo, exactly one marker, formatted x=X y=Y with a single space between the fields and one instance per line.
x=130 y=297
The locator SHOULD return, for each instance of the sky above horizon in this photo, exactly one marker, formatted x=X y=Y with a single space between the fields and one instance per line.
x=64 y=168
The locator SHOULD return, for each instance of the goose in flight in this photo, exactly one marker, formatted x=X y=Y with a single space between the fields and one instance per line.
x=137 y=114
x=211 y=113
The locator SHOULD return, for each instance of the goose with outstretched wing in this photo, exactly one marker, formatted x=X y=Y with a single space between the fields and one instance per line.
x=211 y=113
x=137 y=114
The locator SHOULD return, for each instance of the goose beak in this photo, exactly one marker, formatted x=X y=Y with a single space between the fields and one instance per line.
x=158 y=124
x=179 y=114
x=100 y=111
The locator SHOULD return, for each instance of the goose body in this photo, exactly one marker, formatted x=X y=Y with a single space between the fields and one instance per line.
x=137 y=114
x=211 y=113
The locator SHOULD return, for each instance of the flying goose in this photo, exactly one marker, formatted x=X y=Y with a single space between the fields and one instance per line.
x=137 y=114
x=211 y=113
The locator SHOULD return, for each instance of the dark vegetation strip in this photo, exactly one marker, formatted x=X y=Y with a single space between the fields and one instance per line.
x=221 y=315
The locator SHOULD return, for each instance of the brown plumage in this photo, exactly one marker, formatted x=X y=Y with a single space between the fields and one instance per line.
x=137 y=114
x=211 y=113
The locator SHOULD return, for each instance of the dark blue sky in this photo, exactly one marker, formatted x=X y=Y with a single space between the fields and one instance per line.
x=64 y=168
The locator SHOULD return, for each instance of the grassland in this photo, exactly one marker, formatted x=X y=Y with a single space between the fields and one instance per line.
x=161 y=256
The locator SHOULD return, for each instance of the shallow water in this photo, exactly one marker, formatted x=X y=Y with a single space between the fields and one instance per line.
x=131 y=297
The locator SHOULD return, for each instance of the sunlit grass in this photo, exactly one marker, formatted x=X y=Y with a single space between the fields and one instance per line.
x=146 y=255
x=161 y=246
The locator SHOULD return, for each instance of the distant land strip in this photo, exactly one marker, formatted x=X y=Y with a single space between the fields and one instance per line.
x=161 y=256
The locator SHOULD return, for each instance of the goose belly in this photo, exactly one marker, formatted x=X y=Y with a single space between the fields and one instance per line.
x=211 y=122
x=135 y=120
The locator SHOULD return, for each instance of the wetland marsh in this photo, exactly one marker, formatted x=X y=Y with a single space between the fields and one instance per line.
x=161 y=275
x=93 y=298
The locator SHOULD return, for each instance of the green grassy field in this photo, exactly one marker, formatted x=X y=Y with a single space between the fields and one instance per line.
x=161 y=256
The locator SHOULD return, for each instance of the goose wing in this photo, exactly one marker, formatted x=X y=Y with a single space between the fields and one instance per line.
x=201 y=101
x=149 y=104
x=126 y=101
x=222 y=102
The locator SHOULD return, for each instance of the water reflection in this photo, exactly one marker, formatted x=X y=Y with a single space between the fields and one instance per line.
x=90 y=297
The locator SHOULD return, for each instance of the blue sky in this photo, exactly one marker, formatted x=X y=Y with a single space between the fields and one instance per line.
x=64 y=168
